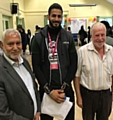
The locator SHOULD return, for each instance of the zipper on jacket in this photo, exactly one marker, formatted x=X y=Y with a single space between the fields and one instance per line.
x=59 y=69
x=49 y=61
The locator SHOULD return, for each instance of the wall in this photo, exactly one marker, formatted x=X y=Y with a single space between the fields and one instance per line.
x=36 y=9
x=5 y=10
x=103 y=9
x=33 y=11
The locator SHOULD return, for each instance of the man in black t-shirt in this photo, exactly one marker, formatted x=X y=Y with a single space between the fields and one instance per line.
x=54 y=60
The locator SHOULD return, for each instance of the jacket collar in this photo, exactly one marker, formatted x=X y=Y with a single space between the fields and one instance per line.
x=20 y=59
x=10 y=70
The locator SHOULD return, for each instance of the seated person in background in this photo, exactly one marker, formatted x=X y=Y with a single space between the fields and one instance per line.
x=19 y=97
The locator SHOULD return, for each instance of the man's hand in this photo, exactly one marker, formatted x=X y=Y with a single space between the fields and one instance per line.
x=79 y=102
x=37 y=116
x=58 y=95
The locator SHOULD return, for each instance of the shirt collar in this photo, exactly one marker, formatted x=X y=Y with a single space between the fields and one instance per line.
x=13 y=62
x=92 y=48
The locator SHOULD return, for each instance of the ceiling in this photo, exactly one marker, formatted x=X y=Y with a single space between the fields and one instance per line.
x=111 y=1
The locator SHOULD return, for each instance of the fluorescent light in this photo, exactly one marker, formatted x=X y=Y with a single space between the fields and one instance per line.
x=111 y=1
x=82 y=5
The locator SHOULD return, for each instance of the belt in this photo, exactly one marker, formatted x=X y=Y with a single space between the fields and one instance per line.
x=99 y=91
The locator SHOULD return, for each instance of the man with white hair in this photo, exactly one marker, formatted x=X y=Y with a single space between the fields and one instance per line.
x=19 y=98
x=94 y=76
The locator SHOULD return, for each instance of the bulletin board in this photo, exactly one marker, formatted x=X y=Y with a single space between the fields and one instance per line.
x=76 y=25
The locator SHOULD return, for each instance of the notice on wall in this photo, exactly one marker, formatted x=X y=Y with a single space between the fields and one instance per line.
x=76 y=25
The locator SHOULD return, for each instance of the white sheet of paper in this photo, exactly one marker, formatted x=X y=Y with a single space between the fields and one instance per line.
x=54 y=109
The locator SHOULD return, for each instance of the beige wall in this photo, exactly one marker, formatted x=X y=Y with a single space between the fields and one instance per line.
x=5 y=10
x=36 y=9
x=33 y=11
x=103 y=8
x=21 y=8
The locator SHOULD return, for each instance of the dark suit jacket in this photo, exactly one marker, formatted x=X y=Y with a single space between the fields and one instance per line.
x=15 y=100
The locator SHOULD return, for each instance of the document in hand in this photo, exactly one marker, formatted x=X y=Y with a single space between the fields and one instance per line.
x=54 y=109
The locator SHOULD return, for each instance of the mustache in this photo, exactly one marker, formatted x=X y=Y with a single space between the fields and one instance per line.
x=56 y=21
x=14 y=51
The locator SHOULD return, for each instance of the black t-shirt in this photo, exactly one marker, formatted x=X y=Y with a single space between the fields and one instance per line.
x=55 y=74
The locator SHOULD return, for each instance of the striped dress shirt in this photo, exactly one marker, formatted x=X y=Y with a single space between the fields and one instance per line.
x=94 y=72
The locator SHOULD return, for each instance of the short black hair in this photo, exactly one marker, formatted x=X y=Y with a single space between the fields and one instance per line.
x=69 y=28
x=19 y=26
x=54 y=6
x=106 y=24
x=37 y=27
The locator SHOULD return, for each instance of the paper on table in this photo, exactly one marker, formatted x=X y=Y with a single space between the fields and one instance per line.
x=54 y=109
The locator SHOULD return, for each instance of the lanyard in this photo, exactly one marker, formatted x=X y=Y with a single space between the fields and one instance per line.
x=53 y=50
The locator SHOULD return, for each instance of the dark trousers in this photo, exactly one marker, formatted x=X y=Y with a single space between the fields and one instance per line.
x=24 y=47
x=71 y=114
x=97 y=103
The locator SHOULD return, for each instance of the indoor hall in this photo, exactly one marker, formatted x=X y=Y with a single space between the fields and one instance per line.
x=30 y=13
x=33 y=12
